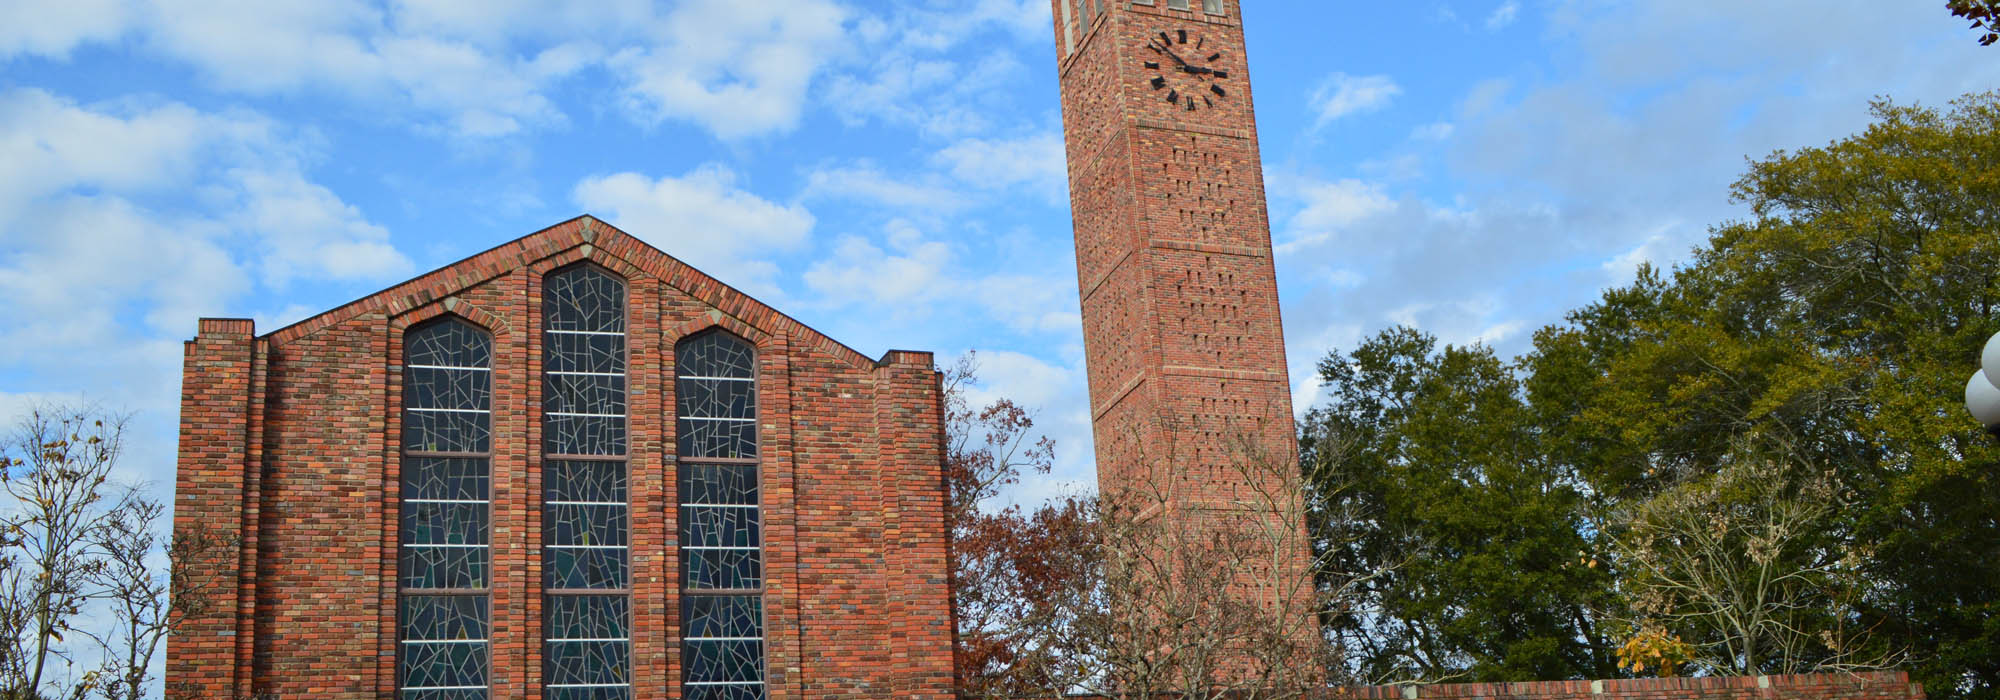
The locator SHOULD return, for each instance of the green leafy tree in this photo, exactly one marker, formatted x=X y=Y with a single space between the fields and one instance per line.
x=1838 y=321
x=1434 y=456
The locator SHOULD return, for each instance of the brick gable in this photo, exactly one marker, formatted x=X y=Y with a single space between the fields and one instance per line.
x=289 y=441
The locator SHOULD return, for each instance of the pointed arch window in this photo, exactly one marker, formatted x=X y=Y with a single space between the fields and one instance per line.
x=586 y=497
x=444 y=554
x=721 y=537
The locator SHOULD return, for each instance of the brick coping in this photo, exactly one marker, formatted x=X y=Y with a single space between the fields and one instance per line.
x=1872 y=685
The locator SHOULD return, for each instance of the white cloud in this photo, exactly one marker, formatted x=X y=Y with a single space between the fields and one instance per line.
x=1438 y=131
x=1342 y=94
x=907 y=71
x=860 y=272
x=53 y=27
x=352 y=49
x=50 y=144
x=306 y=230
x=702 y=218
x=76 y=227
x=1331 y=208
x=739 y=69
x=478 y=69
x=1503 y=15
x=1035 y=162
x=103 y=275
x=864 y=181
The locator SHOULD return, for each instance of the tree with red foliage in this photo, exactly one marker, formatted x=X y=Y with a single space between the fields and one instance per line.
x=1005 y=562
x=1063 y=597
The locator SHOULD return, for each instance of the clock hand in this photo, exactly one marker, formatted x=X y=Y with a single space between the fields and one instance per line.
x=1177 y=59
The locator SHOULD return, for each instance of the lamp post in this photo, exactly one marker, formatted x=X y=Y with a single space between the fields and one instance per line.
x=1982 y=392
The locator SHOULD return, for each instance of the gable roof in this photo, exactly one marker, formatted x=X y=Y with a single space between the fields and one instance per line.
x=582 y=230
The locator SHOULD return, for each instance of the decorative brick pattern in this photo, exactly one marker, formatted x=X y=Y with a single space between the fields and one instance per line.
x=1180 y=298
x=288 y=441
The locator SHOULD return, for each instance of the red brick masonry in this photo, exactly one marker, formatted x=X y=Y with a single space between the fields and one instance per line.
x=1824 y=686
x=288 y=441
x=1181 y=328
x=1885 y=685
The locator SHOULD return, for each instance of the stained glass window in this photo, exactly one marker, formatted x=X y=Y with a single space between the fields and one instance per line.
x=586 y=499
x=721 y=542
x=444 y=556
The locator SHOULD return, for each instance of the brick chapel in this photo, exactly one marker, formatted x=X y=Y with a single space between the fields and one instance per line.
x=570 y=467
x=574 y=468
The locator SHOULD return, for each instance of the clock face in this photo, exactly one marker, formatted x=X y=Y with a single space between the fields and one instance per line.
x=1184 y=69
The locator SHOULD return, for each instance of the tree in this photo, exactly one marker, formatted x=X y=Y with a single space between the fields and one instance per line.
x=80 y=571
x=56 y=479
x=1740 y=562
x=1182 y=596
x=1490 y=574
x=1985 y=16
x=146 y=603
x=1837 y=321
x=1139 y=594
x=1000 y=558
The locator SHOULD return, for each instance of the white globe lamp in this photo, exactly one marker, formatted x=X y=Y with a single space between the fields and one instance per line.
x=1982 y=398
x=1989 y=361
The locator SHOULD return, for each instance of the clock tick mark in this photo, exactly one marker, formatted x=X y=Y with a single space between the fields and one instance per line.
x=1183 y=33
x=1152 y=65
x=1159 y=83
x=1174 y=96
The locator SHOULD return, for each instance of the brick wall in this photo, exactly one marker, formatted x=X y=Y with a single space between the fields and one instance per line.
x=1887 y=685
x=288 y=441
x=1882 y=685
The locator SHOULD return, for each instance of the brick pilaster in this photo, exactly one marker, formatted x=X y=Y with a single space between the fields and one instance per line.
x=912 y=459
x=216 y=377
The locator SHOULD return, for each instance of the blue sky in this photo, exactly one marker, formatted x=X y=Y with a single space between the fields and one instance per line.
x=890 y=172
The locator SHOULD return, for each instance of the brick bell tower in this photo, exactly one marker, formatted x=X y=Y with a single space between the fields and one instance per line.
x=1173 y=249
